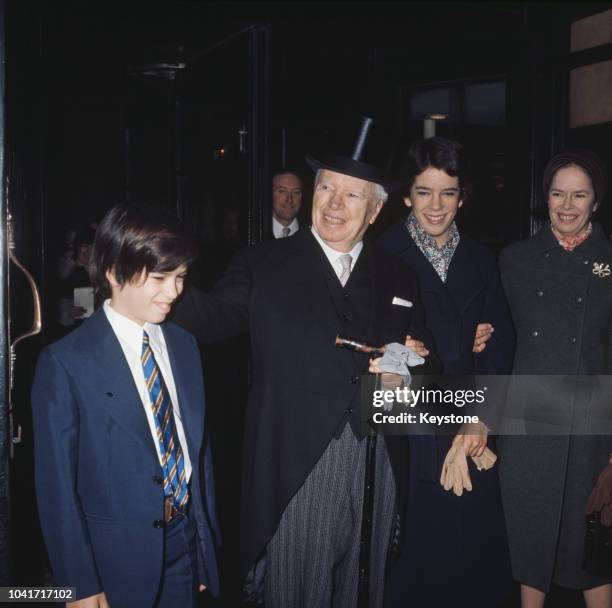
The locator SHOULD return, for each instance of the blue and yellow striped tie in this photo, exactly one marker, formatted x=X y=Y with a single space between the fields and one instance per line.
x=173 y=462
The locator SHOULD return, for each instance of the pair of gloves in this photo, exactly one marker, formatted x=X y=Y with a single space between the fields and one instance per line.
x=455 y=473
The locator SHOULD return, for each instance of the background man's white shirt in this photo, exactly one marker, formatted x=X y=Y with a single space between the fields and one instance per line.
x=277 y=227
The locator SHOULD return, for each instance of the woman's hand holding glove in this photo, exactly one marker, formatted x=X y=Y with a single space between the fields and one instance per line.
x=471 y=440
x=486 y=461
x=455 y=475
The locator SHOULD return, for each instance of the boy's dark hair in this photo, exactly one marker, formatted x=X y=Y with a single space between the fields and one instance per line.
x=132 y=238
x=441 y=153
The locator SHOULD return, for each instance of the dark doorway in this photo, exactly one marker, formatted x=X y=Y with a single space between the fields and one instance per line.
x=169 y=105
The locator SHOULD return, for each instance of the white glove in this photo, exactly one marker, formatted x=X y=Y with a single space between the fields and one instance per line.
x=398 y=358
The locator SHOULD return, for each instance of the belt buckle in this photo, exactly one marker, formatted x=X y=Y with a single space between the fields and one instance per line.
x=170 y=511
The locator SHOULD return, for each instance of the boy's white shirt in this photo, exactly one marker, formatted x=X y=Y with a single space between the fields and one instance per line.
x=130 y=335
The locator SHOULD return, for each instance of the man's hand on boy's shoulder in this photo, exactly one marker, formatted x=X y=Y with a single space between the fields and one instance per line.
x=93 y=601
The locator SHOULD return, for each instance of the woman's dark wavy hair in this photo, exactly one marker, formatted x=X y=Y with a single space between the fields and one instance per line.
x=441 y=153
x=132 y=238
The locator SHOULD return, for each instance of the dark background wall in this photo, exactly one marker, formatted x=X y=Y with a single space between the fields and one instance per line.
x=328 y=64
x=108 y=131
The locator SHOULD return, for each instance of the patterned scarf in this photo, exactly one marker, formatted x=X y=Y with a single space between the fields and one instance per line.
x=439 y=257
x=570 y=242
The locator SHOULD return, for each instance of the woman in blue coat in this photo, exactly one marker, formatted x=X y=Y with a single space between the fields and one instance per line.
x=455 y=547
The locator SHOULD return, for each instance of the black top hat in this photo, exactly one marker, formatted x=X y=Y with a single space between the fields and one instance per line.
x=354 y=165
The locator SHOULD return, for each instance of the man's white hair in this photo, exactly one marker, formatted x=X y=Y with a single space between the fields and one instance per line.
x=378 y=192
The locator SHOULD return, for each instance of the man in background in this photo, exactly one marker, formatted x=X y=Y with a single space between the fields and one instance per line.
x=287 y=190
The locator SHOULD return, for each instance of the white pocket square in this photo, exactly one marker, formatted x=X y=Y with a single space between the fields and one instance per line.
x=402 y=302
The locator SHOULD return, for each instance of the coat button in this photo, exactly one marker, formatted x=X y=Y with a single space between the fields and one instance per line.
x=345 y=317
x=158 y=479
x=572 y=339
x=540 y=293
x=585 y=262
x=158 y=523
x=345 y=295
x=547 y=255
x=579 y=300
x=535 y=334
x=349 y=410
x=354 y=379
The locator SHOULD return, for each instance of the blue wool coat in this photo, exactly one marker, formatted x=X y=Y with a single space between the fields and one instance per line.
x=445 y=533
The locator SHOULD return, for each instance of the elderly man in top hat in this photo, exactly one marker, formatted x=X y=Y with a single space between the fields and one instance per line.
x=304 y=449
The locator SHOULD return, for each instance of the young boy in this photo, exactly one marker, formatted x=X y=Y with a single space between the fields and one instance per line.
x=124 y=484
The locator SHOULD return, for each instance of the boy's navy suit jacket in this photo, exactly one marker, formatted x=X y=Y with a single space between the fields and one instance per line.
x=98 y=479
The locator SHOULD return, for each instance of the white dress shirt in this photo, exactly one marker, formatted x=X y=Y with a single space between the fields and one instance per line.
x=130 y=336
x=277 y=227
x=334 y=256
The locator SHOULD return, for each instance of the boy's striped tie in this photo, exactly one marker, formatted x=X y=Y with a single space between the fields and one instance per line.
x=173 y=463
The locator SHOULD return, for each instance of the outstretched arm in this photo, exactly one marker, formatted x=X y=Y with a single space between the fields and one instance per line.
x=224 y=311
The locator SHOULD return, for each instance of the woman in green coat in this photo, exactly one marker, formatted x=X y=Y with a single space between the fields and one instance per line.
x=561 y=303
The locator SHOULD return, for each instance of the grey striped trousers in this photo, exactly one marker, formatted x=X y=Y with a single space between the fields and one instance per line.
x=312 y=560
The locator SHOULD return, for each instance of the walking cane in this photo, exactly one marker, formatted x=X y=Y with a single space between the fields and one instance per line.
x=365 y=545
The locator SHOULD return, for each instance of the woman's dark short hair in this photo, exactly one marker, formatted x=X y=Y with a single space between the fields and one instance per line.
x=441 y=153
x=132 y=238
x=588 y=161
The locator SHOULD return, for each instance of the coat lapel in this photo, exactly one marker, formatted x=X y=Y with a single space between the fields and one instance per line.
x=117 y=388
x=429 y=281
x=190 y=404
x=597 y=246
x=309 y=264
x=312 y=269
x=462 y=282
x=379 y=298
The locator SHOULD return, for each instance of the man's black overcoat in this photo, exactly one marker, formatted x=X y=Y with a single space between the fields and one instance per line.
x=304 y=389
